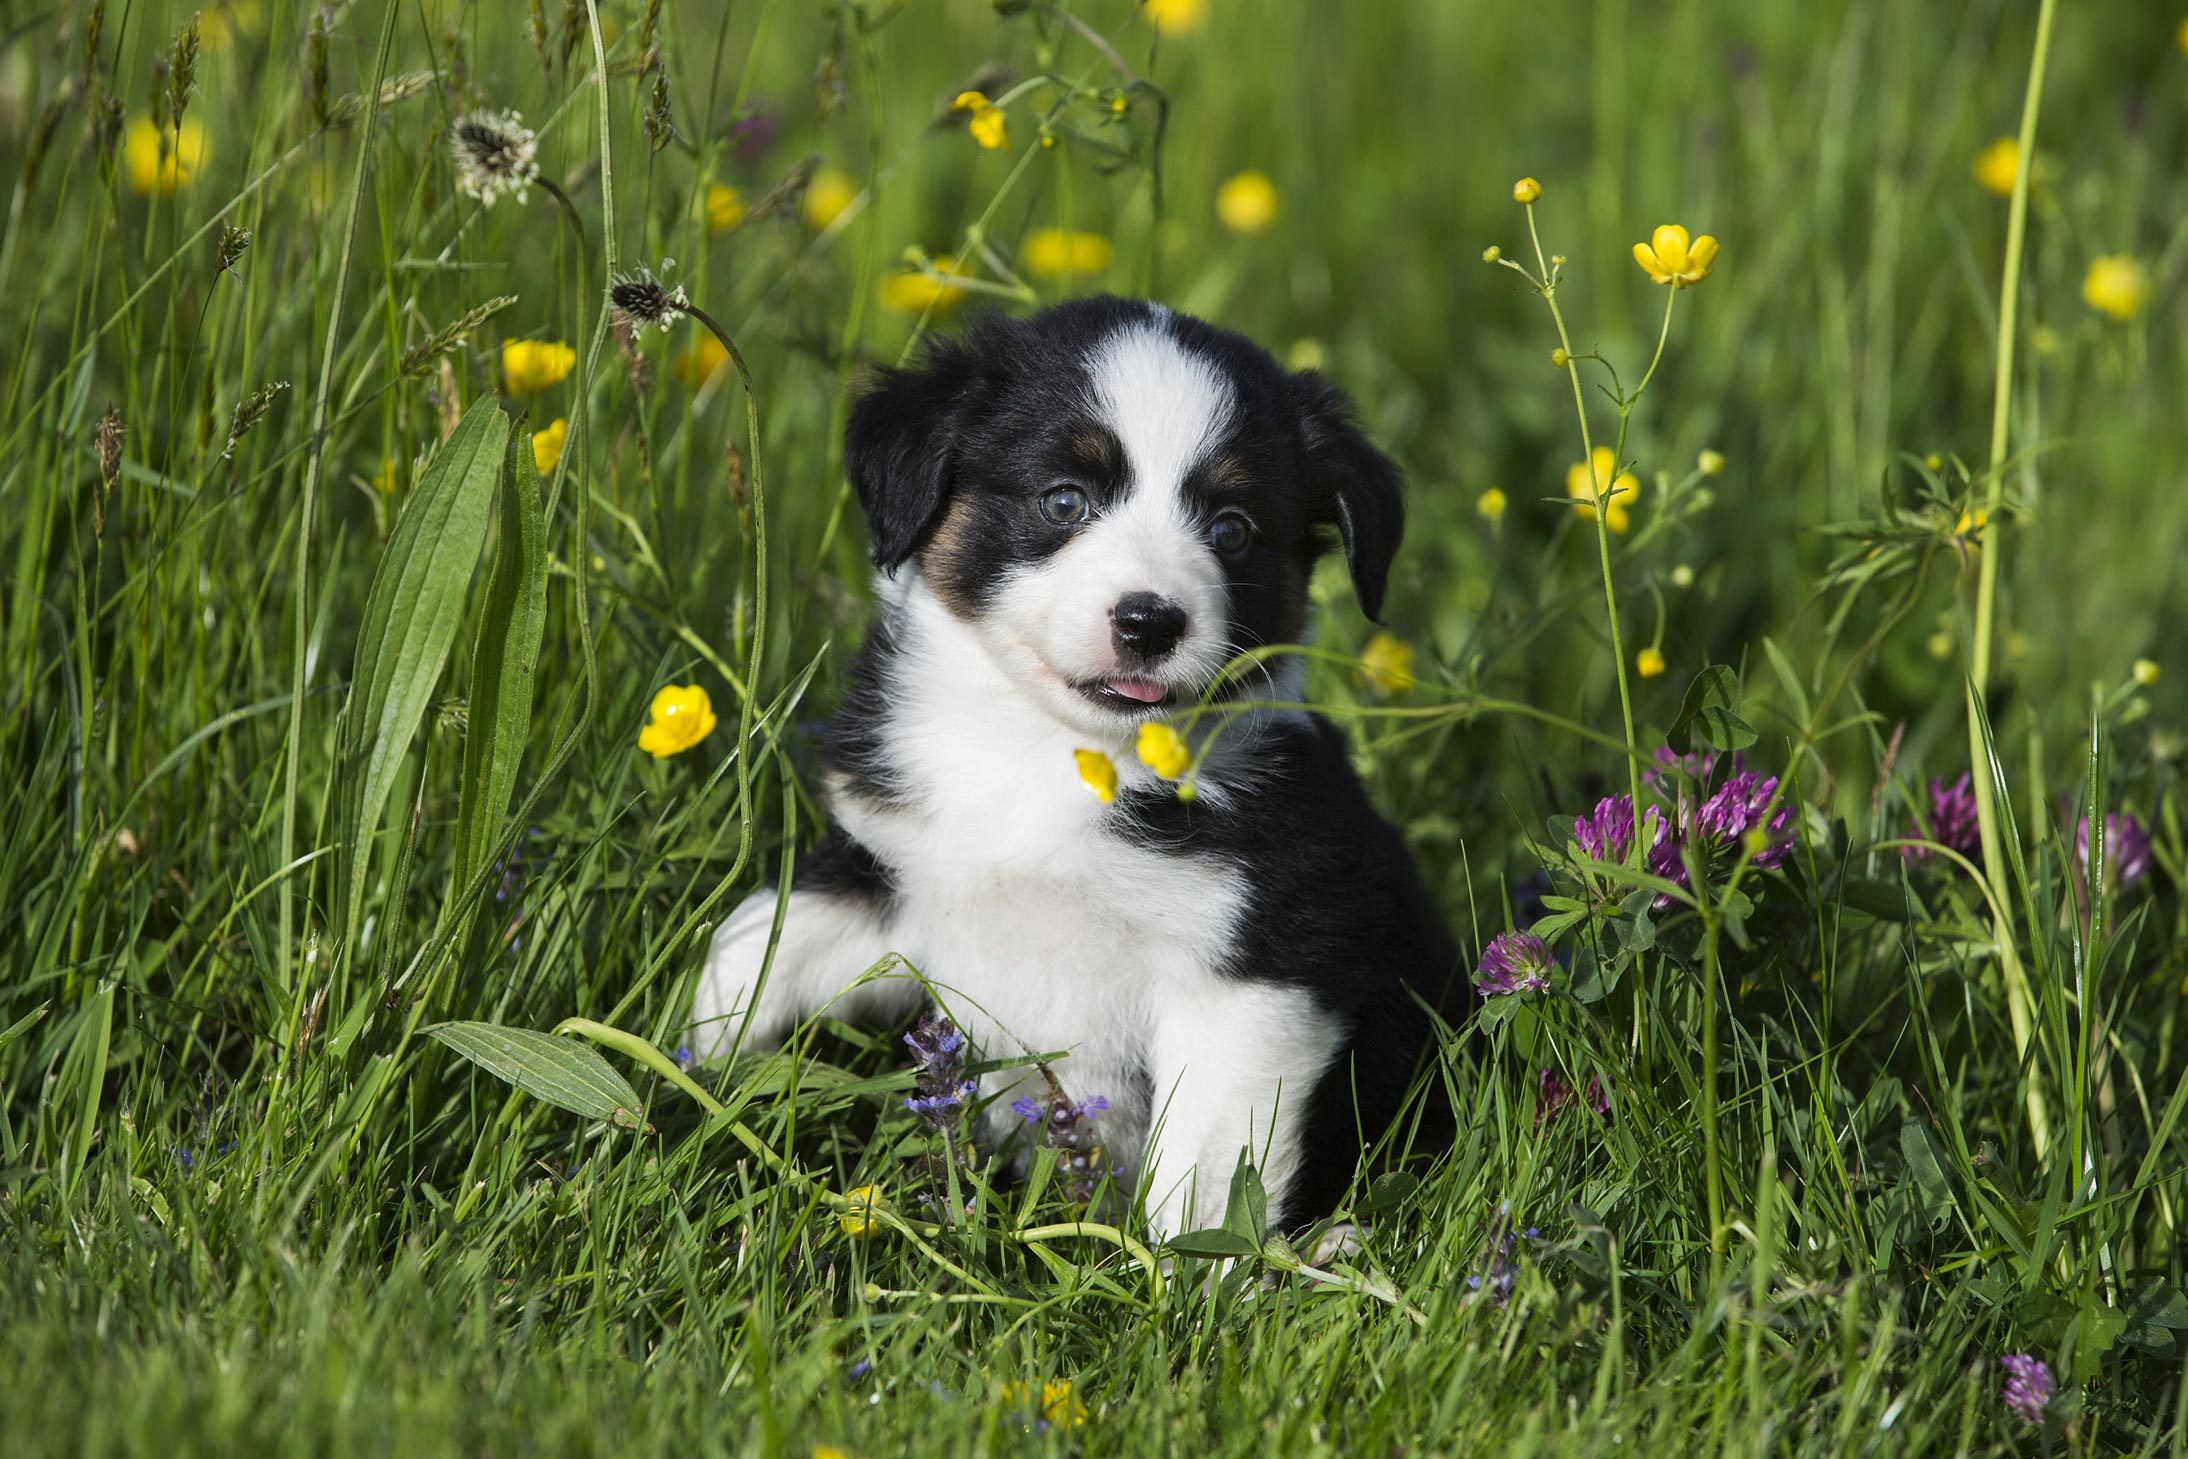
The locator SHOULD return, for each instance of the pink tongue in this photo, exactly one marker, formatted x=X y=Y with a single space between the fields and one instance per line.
x=1146 y=691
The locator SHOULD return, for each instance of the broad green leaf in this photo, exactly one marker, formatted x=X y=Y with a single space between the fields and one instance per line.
x=1918 y=1147
x=566 y=1075
x=1215 y=1242
x=410 y=622
x=1712 y=712
x=1387 y=1195
x=502 y=662
x=1246 y=1211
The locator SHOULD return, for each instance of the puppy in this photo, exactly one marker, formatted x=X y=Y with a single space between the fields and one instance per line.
x=1079 y=518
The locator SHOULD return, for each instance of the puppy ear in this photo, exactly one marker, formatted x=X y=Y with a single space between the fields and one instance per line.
x=901 y=445
x=1355 y=485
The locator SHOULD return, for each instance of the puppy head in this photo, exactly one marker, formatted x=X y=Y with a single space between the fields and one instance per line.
x=1118 y=499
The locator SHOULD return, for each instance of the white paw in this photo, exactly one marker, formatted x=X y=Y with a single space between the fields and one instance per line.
x=731 y=980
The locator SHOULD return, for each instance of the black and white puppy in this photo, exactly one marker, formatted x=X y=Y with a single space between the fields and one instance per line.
x=1080 y=518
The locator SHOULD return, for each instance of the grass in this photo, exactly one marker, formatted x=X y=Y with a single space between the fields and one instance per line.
x=273 y=804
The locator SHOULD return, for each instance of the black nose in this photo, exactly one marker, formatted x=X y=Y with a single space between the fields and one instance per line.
x=1146 y=625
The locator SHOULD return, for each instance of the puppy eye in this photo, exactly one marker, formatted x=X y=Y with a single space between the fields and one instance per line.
x=1066 y=506
x=1230 y=533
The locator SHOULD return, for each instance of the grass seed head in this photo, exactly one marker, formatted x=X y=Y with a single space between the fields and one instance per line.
x=494 y=154
x=642 y=300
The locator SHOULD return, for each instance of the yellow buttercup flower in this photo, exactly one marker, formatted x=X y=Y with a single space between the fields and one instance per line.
x=725 y=208
x=858 y=1218
x=826 y=196
x=159 y=160
x=682 y=716
x=2146 y=672
x=1175 y=17
x=1388 y=662
x=1163 y=750
x=1054 y=252
x=913 y=293
x=1059 y=1405
x=222 y=23
x=1099 y=773
x=534 y=364
x=697 y=365
x=1247 y=203
x=1998 y=164
x=1669 y=258
x=1526 y=190
x=1491 y=504
x=1971 y=521
x=987 y=123
x=1587 y=486
x=547 y=444
x=1649 y=663
x=2117 y=285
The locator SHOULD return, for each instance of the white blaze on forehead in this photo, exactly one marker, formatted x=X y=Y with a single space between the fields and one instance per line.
x=1166 y=404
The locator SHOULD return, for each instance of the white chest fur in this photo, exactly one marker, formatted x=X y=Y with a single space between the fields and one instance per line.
x=1043 y=931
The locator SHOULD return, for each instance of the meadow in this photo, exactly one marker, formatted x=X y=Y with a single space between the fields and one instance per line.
x=355 y=872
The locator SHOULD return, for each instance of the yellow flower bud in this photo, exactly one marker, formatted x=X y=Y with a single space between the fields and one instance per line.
x=1526 y=190
x=1711 y=463
x=2116 y=285
x=1247 y=203
x=1491 y=504
x=1649 y=662
x=1491 y=254
x=1099 y=772
x=1682 y=576
x=1388 y=662
x=857 y=1219
x=1560 y=358
x=1162 y=749
x=547 y=445
x=2146 y=672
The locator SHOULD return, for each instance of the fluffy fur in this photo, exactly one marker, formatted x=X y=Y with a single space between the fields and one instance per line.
x=1080 y=518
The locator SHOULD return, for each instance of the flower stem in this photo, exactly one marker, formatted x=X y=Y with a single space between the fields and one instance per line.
x=1986 y=534
x=1636 y=852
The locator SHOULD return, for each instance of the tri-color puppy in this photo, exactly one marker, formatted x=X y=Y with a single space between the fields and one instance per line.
x=1080 y=518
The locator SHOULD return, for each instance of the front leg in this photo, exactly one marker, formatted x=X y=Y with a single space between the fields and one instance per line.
x=1235 y=1065
x=835 y=926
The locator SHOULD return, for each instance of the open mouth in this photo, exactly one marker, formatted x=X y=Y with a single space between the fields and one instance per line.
x=1128 y=695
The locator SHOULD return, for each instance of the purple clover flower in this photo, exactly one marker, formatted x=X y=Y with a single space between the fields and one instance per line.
x=2029 y=1386
x=940 y=1088
x=2126 y=848
x=1671 y=766
x=1739 y=807
x=1514 y=962
x=1555 y=1096
x=1953 y=823
x=1607 y=833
